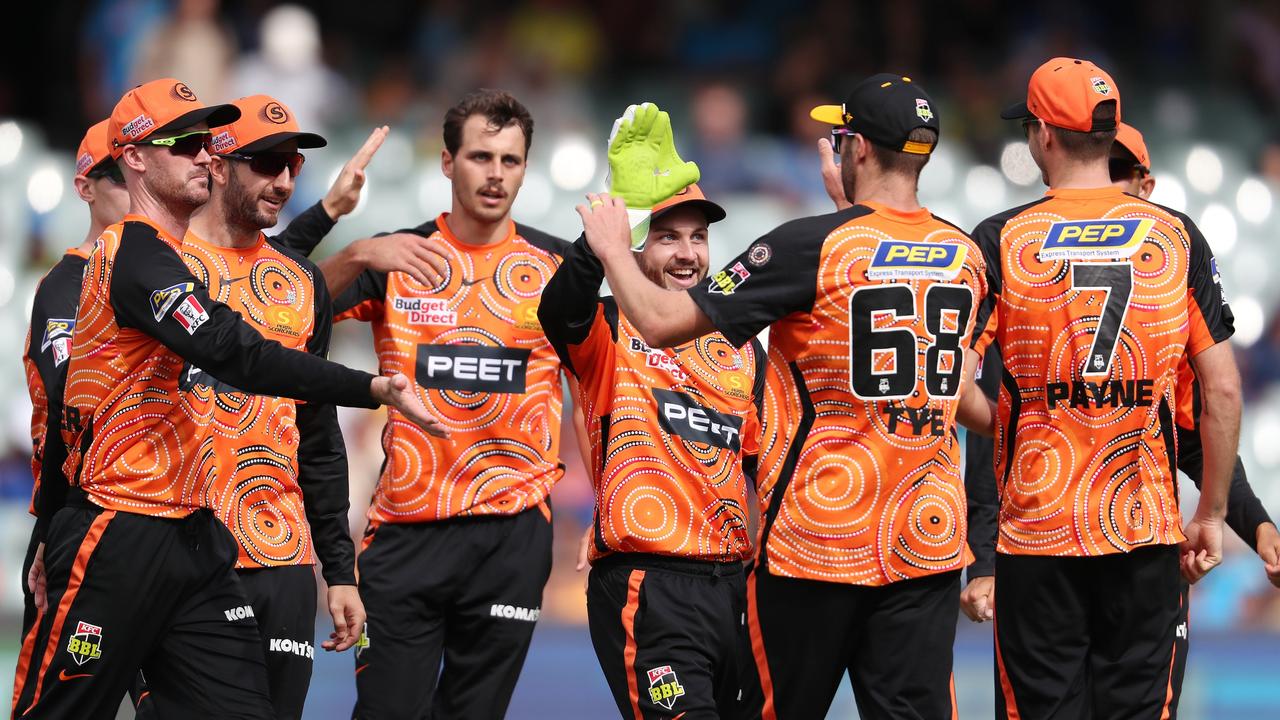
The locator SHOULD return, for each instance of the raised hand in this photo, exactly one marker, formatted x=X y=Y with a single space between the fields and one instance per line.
x=344 y=194
x=644 y=166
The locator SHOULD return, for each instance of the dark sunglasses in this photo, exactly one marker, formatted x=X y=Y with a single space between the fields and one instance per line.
x=187 y=144
x=109 y=170
x=271 y=163
x=1124 y=169
x=838 y=134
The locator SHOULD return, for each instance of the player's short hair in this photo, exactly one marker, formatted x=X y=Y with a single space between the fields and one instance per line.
x=910 y=164
x=497 y=106
x=1090 y=145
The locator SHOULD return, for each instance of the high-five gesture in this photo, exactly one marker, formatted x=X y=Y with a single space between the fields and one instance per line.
x=644 y=166
x=344 y=194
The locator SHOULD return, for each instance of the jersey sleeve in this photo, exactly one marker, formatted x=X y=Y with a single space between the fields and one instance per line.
x=987 y=237
x=980 y=478
x=305 y=232
x=152 y=291
x=1208 y=313
x=322 y=464
x=364 y=300
x=574 y=318
x=774 y=277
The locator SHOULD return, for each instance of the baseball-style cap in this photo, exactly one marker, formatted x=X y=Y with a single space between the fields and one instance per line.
x=161 y=106
x=884 y=109
x=264 y=122
x=95 y=148
x=1064 y=93
x=691 y=195
x=1131 y=140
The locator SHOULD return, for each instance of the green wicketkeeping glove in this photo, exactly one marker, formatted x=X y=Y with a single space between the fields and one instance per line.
x=644 y=167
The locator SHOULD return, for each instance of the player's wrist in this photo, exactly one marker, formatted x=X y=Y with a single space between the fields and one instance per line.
x=1266 y=534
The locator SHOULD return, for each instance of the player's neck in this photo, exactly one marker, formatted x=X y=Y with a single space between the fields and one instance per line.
x=891 y=190
x=172 y=218
x=209 y=223
x=1079 y=176
x=473 y=231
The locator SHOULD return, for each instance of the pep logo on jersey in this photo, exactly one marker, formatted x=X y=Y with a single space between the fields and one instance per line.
x=473 y=368
x=56 y=328
x=162 y=300
x=1094 y=239
x=899 y=259
x=682 y=415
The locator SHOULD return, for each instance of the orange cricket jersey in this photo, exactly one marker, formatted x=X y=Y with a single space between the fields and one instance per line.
x=872 y=310
x=1100 y=297
x=668 y=430
x=135 y=441
x=483 y=367
x=255 y=438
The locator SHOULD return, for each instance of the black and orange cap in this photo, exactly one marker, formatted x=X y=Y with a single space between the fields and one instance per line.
x=161 y=106
x=690 y=196
x=95 y=148
x=264 y=122
x=885 y=108
x=1064 y=92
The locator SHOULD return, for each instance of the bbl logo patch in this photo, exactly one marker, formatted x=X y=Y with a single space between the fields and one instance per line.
x=1094 y=239
x=923 y=111
x=86 y=643
x=1100 y=86
x=726 y=281
x=162 y=300
x=899 y=259
x=664 y=686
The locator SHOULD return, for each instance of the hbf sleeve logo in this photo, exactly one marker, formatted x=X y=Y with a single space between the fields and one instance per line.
x=1094 y=239
x=899 y=259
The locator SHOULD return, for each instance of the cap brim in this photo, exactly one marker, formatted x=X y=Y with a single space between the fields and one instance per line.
x=1016 y=112
x=305 y=140
x=213 y=115
x=829 y=114
x=714 y=212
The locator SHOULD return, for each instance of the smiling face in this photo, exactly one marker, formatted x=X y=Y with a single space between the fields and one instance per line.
x=487 y=170
x=675 y=253
x=253 y=200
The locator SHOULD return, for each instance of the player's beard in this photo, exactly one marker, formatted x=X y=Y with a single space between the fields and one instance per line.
x=243 y=210
x=180 y=187
x=848 y=178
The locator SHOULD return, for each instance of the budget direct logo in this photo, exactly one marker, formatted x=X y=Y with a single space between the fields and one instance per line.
x=1094 y=239
x=425 y=311
x=899 y=259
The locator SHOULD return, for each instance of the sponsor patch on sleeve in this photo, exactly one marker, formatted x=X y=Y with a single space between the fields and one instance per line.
x=190 y=314
x=899 y=259
x=162 y=300
x=1217 y=278
x=729 y=279
x=1094 y=239
x=55 y=328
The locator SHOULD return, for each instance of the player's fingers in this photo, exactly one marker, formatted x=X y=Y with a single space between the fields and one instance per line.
x=365 y=153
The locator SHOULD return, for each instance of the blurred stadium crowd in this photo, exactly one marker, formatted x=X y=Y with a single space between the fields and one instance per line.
x=739 y=78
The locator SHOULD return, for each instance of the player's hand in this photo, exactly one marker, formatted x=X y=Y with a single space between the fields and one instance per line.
x=1202 y=550
x=978 y=599
x=831 y=179
x=644 y=166
x=584 y=545
x=605 y=224
x=1269 y=551
x=348 y=615
x=397 y=391
x=36 y=580
x=345 y=192
x=423 y=259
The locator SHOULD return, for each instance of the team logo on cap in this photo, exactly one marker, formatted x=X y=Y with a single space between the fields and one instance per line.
x=664 y=686
x=86 y=643
x=923 y=111
x=1100 y=86
x=899 y=259
x=182 y=92
x=274 y=112
x=1094 y=239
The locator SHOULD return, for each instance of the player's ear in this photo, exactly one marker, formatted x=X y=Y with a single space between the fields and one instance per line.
x=84 y=188
x=131 y=157
x=1146 y=187
x=446 y=163
x=219 y=169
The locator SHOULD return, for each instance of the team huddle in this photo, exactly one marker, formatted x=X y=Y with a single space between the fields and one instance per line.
x=767 y=519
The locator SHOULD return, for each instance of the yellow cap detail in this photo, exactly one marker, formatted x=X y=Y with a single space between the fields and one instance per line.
x=917 y=148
